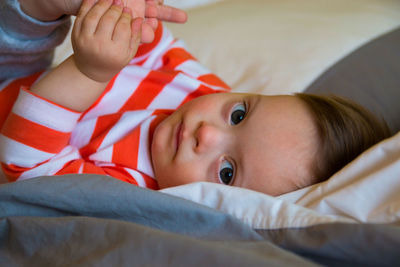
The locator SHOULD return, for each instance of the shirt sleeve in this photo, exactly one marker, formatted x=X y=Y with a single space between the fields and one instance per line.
x=35 y=132
x=35 y=141
x=27 y=44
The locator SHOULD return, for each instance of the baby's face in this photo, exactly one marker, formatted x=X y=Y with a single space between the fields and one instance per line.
x=264 y=143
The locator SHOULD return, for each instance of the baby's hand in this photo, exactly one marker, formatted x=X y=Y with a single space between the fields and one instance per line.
x=104 y=38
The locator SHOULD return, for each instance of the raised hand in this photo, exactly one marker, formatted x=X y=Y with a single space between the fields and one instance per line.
x=104 y=38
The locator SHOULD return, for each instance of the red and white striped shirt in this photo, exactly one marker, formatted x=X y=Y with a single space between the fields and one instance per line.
x=112 y=137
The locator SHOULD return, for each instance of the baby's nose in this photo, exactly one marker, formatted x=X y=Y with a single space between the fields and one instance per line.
x=208 y=137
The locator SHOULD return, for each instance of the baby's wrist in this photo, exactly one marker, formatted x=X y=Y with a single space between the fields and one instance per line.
x=92 y=73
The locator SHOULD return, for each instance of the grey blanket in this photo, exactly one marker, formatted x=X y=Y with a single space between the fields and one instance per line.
x=90 y=220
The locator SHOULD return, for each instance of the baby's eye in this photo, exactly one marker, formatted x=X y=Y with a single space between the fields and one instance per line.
x=226 y=172
x=238 y=113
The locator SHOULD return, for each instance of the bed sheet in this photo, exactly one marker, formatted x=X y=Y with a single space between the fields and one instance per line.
x=93 y=220
x=105 y=222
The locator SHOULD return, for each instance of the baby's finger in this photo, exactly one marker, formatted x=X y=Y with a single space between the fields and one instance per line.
x=136 y=36
x=110 y=20
x=151 y=10
x=147 y=33
x=166 y=13
x=92 y=18
x=152 y=22
x=122 y=31
x=84 y=9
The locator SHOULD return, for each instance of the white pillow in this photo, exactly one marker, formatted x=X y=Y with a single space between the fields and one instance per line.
x=365 y=191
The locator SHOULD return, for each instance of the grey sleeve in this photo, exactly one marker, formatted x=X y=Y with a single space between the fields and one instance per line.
x=27 y=44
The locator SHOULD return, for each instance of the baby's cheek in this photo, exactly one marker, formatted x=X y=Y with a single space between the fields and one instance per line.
x=168 y=177
x=176 y=174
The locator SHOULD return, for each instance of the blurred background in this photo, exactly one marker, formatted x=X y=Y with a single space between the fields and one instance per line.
x=276 y=46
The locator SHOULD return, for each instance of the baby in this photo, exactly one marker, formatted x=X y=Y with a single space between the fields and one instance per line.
x=151 y=115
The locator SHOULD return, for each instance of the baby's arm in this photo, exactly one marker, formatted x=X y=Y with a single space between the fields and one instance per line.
x=104 y=41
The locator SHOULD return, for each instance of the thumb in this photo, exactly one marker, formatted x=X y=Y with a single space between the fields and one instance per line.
x=136 y=35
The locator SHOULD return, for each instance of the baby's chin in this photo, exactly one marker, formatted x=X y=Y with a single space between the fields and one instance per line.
x=162 y=181
x=161 y=185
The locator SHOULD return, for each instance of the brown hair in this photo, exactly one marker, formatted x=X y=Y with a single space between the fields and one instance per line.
x=346 y=129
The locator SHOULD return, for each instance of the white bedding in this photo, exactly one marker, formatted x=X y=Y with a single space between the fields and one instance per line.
x=365 y=191
x=279 y=46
